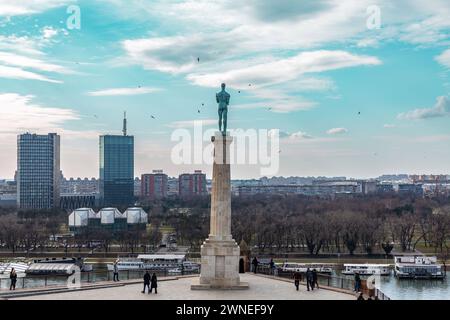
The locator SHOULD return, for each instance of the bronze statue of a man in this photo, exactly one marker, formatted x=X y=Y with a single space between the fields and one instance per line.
x=223 y=99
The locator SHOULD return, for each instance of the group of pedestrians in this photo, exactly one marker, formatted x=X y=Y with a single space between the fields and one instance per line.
x=272 y=266
x=311 y=279
x=150 y=283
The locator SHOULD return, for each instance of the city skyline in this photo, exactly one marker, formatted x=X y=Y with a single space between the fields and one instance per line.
x=349 y=100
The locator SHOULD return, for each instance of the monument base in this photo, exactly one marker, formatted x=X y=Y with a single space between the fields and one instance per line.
x=196 y=285
x=220 y=266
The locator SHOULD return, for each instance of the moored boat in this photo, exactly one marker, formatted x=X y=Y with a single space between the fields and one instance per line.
x=418 y=267
x=366 y=269
x=303 y=267
x=155 y=262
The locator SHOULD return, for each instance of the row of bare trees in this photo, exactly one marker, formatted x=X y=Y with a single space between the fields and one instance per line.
x=272 y=224
x=366 y=225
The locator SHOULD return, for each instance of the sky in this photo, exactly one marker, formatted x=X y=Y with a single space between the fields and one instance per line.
x=356 y=88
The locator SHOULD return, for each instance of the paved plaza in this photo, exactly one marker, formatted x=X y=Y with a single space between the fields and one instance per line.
x=261 y=288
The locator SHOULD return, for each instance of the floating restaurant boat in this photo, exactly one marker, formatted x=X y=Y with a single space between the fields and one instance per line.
x=5 y=268
x=367 y=269
x=418 y=267
x=76 y=261
x=52 y=269
x=156 y=262
x=303 y=267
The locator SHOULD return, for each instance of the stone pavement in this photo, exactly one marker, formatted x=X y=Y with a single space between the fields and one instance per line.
x=261 y=288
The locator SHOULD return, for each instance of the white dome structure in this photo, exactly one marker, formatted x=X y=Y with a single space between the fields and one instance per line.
x=136 y=215
x=80 y=217
x=109 y=215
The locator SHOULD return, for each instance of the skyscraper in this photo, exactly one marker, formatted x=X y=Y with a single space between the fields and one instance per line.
x=38 y=171
x=117 y=169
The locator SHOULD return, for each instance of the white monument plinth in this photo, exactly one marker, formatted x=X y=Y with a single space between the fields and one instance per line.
x=220 y=253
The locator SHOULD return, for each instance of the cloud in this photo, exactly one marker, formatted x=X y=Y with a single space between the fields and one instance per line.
x=24 y=7
x=49 y=32
x=17 y=73
x=31 y=63
x=299 y=135
x=18 y=114
x=283 y=70
x=440 y=109
x=389 y=126
x=337 y=131
x=444 y=58
x=20 y=53
x=123 y=91
x=23 y=45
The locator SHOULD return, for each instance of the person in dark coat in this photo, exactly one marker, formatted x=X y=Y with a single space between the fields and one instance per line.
x=357 y=282
x=13 y=278
x=297 y=279
x=272 y=267
x=116 y=271
x=309 y=279
x=255 y=265
x=146 y=282
x=315 y=279
x=154 y=283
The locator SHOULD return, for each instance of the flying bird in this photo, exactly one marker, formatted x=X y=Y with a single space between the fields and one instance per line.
x=153 y=117
x=198 y=59
x=198 y=110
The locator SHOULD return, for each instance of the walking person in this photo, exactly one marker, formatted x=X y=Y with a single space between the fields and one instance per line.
x=116 y=272
x=154 y=283
x=13 y=278
x=255 y=265
x=357 y=282
x=309 y=280
x=315 y=279
x=297 y=279
x=146 y=282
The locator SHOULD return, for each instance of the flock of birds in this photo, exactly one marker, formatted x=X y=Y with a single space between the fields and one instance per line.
x=203 y=104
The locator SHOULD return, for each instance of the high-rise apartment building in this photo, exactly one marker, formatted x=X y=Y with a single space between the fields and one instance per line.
x=154 y=185
x=192 y=184
x=38 y=171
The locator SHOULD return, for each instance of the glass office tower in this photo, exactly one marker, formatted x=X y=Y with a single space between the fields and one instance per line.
x=38 y=171
x=117 y=170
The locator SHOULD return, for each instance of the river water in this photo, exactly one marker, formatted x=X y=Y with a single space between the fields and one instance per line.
x=405 y=289
x=416 y=289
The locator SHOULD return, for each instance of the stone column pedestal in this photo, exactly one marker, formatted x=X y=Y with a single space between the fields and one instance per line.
x=220 y=253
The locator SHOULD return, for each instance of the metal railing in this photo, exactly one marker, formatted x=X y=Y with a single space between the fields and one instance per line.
x=42 y=281
x=333 y=281
x=322 y=279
